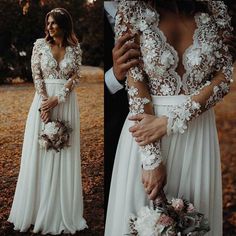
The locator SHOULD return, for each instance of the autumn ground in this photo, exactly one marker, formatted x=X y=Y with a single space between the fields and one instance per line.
x=14 y=105
x=226 y=124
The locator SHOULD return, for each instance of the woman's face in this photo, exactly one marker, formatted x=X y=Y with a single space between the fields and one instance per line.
x=53 y=28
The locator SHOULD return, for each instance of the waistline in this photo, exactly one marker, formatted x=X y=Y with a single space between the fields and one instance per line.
x=169 y=100
x=55 y=81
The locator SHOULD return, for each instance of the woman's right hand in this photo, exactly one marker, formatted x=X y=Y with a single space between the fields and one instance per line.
x=45 y=116
x=154 y=181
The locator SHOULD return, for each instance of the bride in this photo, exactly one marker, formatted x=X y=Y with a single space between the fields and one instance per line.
x=185 y=70
x=49 y=192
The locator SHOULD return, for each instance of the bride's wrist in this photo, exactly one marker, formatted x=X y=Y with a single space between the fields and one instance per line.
x=55 y=100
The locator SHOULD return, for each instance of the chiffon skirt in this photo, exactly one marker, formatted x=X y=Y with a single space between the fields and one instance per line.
x=49 y=191
x=193 y=171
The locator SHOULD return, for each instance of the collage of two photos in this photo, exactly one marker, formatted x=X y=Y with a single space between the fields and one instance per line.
x=117 y=117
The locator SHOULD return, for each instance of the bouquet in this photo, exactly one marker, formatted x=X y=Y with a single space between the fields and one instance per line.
x=55 y=135
x=177 y=217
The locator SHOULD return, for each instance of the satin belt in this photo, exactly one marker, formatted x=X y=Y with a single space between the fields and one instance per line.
x=168 y=100
x=55 y=81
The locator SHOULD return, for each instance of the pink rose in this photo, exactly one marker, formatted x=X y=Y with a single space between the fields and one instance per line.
x=191 y=208
x=178 y=204
x=165 y=220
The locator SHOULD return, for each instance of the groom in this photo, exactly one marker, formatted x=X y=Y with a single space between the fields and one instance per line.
x=116 y=110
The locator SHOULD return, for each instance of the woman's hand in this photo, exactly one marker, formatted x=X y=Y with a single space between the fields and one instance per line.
x=148 y=129
x=49 y=104
x=154 y=181
x=45 y=116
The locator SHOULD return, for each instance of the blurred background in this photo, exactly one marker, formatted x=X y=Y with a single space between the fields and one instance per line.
x=22 y=22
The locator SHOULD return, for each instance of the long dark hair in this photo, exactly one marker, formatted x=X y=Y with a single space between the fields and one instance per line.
x=64 y=20
x=187 y=7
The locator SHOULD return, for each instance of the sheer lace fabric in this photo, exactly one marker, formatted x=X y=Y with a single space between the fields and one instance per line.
x=207 y=63
x=44 y=66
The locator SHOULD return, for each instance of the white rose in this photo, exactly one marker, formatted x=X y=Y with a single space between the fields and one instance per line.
x=178 y=204
x=50 y=129
x=146 y=221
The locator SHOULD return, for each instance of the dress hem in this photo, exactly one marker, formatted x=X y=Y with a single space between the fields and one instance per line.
x=83 y=225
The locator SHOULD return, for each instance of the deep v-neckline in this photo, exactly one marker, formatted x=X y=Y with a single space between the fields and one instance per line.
x=173 y=51
x=58 y=63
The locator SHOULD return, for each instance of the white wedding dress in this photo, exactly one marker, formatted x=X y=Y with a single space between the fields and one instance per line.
x=49 y=191
x=190 y=150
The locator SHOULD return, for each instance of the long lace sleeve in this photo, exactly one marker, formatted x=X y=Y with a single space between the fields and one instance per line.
x=197 y=103
x=70 y=84
x=213 y=90
x=139 y=97
x=36 y=68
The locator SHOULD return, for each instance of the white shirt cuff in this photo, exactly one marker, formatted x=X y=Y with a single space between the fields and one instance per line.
x=112 y=83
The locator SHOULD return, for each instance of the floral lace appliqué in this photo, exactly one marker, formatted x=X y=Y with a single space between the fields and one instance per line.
x=151 y=156
x=136 y=103
x=218 y=94
x=160 y=60
x=36 y=68
x=179 y=116
x=207 y=55
x=44 y=67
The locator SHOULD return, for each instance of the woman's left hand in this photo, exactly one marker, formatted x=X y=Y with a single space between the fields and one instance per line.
x=45 y=116
x=49 y=104
x=154 y=181
x=148 y=129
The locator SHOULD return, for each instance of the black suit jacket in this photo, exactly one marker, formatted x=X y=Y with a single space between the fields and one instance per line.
x=115 y=112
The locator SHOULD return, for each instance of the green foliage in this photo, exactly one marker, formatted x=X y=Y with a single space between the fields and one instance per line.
x=18 y=32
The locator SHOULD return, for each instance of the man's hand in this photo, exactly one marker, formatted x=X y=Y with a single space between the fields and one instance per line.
x=148 y=129
x=125 y=55
x=154 y=181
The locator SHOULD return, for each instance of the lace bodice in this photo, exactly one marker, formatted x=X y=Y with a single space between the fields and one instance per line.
x=207 y=63
x=161 y=59
x=44 y=66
